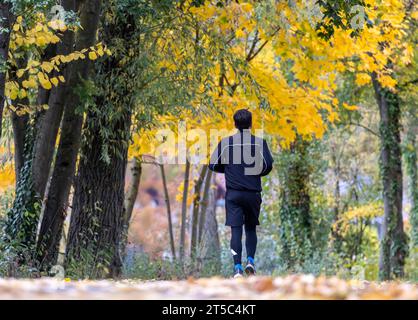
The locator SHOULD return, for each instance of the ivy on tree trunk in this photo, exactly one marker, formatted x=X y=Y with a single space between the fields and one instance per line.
x=393 y=246
x=295 y=218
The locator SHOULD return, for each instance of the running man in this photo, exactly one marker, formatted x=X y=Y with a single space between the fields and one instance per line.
x=244 y=159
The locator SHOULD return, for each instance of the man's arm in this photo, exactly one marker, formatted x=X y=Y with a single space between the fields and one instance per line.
x=215 y=163
x=267 y=160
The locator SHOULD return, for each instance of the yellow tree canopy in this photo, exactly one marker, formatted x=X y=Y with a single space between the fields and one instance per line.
x=288 y=73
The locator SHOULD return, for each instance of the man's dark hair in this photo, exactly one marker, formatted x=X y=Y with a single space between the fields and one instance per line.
x=243 y=119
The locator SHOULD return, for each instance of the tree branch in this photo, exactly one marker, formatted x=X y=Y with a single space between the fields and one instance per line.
x=364 y=127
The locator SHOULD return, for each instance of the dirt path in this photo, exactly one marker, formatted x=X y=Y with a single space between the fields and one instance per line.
x=291 y=287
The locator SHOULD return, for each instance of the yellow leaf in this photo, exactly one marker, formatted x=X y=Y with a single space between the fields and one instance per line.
x=30 y=84
x=47 y=67
x=348 y=107
x=54 y=81
x=20 y=72
x=100 y=51
x=41 y=41
x=239 y=33
x=45 y=83
x=92 y=55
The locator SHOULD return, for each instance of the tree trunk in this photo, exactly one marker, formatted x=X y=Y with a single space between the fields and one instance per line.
x=336 y=232
x=132 y=192
x=205 y=205
x=55 y=206
x=167 y=202
x=19 y=124
x=5 y=24
x=22 y=219
x=130 y=200
x=393 y=246
x=184 y=208
x=210 y=248
x=97 y=217
x=295 y=220
x=196 y=208
x=49 y=120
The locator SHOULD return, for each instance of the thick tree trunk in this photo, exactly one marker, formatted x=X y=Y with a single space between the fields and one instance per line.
x=184 y=208
x=5 y=24
x=295 y=220
x=97 y=217
x=19 y=121
x=55 y=206
x=167 y=203
x=393 y=246
x=22 y=219
x=49 y=120
x=196 y=209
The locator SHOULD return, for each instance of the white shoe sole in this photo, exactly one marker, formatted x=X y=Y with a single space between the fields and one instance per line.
x=249 y=270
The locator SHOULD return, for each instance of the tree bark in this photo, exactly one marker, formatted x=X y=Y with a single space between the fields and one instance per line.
x=184 y=208
x=19 y=124
x=393 y=246
x=130 y=200
x=5 y=24
x=336 y=232
x=210 y=248
x=205 y=205
x=97 y=217
x=132 y=192
x=167 y=203
x=196 y=208
x=55 y=206
x=49 y=120
x=22 y=219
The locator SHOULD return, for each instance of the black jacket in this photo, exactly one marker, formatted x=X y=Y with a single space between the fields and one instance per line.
x=244 y=159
